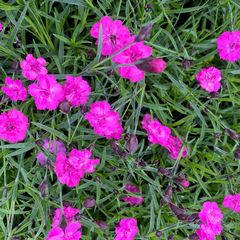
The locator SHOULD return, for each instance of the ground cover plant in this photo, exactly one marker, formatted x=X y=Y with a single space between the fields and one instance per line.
x=119 y=119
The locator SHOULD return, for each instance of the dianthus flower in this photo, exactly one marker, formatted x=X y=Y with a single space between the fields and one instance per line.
x=211 y=217
x=76 y=91
x=232 y=202
x=13 y=126
x=127 y=229
x=14 y=89
x=32 y=67
x=174 y=146
x=104 y=120
x=52 y=147
x=70 y=170
x=131 y=55
x=68 y=213
x=209 y=79
x=114 y=34
x=157 y=133
x=47 y=93
x=228 y=45
x=71 y=232
x=131 y=199
x=1 y=26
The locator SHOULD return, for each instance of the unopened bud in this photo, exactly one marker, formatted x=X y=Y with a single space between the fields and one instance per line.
x=144 y=33
x=193 y=217
x=193 y=236
x=101 y=224
x=171 y=237
x=89 y=202
x=65 y=107
x=186 y=63
x=131 y=143
x=152 y=65
x=43 y=188
x=164 y=171
x=158 y=234
x=237 y=153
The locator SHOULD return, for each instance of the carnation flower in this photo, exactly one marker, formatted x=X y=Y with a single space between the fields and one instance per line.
x=131 y=199
x=68 y=213
x=132 y=54
x=14 y=89
x=209 y=79
x=33 y=67
x=52 y=147
x=114 y=34
x=127 y=229
x=157 y=133
x=70 y=170
x=205 y=232
x=13 y=126
x=174 y=147
x=76 y=91
x=232 y=202
x=47 y=93
x=71 y=232
x=228 y=45
x=104 y=121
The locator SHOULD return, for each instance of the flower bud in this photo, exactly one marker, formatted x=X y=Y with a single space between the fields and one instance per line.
x=43 y=188
x=186 y=63
x=164 y=171
x=185 y=183
x=1 y=26
x=176 y=210
x=193 y=217
x=101 y=224
x=171 y=237
x=144 y=33
x=39 y=142
x=158 y=234
x=65 y=107
x=237 y=153
x=193 y=236
x=89 y=202
x=131 y=143
x=152 y=65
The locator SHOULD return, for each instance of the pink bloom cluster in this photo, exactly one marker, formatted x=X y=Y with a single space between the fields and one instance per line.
x=127 y=229
x=76 y=91
x=209 y=79
x=115 y=36
x=47 y=92
x=160 y=134
x=32 y=67
x=131 y=199
x=228 y=44
x=52 y=147
x=104 y=120
x=211 y=218
x=64 y=225
x=232 y=202
x=13 y=126
x=14 y=89
x=70 y=170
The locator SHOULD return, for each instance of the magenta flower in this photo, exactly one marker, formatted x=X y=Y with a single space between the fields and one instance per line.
x=76 y=91
x=131 y=55
x=207 y=232
x=52 y=147
x=228 y=44
x=132 y=200
x=71 y=232
x=14 y=89
x=114 y=34
x=70 y=170
x=209 y=79
x=13 y=126
x=127 y=229
x=232 y=202
x=157 y=133
x=174 y=147
x=69 y=214
x=104 y=120
x=1 y=26
x=47 y=93
x=32 y=67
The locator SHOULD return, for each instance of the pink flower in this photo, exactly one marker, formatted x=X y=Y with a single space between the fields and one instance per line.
x=127 y=229
x=14 y=89
x=47 y=93
x=185 y=183
x=157 y=133
x=68 y=214
x=13 y=126
x=132 y=54
x=33 y=67
x=132 y=200
x=1 y=26
x=153 y=65
x=228 y=44
x=71 y=232
x=209 y=79
x=104 y=120
x=70 y=170
x=232 y=202
x=52 y=147
x=206 y=232
x=114 y=34
x=76 y=91
x=174 y=147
